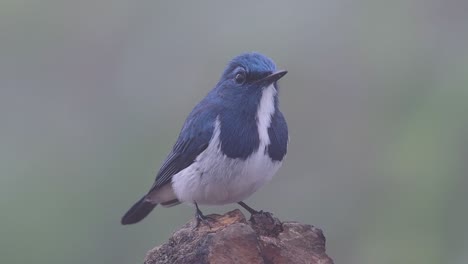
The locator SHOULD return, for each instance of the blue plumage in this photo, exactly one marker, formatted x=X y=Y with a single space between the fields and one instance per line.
x=256 y=64
x=231 y=143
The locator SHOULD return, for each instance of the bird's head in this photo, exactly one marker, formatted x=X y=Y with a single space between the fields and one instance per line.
x=247 y=74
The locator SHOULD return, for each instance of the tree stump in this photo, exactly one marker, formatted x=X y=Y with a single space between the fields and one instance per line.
x=230 y=238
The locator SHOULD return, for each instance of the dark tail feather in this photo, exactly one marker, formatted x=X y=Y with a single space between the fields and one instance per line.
x=138 y=211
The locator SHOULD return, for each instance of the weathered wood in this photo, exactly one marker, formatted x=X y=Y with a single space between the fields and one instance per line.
x=233 y=239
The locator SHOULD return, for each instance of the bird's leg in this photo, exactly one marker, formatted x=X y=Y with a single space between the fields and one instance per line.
x=250 y=209
x=200 y=217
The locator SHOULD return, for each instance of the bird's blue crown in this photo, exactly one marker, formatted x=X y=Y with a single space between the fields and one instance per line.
x=254 y=63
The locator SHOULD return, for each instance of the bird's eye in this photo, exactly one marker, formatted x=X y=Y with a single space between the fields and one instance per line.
x=240 y=77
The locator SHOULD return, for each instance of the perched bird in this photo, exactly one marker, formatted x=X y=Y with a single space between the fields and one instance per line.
x=230 y=145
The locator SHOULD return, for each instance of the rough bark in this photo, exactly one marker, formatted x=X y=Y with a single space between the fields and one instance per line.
x=230 y=238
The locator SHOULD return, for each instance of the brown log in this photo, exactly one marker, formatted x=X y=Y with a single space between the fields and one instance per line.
x=230 y=238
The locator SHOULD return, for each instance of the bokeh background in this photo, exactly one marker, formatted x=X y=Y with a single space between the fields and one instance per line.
x=93 y=94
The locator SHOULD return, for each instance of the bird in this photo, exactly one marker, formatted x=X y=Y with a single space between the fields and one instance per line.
x=232 y=143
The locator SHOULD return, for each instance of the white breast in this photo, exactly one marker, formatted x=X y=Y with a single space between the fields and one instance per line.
x=215 y=179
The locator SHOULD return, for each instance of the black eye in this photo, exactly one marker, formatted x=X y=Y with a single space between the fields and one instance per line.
x=240 y=77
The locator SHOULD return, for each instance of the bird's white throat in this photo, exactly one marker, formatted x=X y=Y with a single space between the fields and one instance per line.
x=265 y=111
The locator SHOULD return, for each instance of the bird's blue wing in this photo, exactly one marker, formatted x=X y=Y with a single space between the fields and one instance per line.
x=193 y=140
x=278 y=133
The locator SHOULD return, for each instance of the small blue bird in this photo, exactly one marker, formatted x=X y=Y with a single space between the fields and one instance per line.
x=230 y=145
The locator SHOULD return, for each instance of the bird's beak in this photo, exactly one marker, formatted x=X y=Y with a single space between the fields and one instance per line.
x=274 y=77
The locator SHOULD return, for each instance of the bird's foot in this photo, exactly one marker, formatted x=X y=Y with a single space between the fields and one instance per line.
x=201 y=218
x=250 y=209
x=206 y=220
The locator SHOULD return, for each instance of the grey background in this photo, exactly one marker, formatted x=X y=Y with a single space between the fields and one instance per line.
x=93 y=94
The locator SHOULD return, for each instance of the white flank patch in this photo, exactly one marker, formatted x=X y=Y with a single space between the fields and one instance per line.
x=161 y=195
x=215 y=179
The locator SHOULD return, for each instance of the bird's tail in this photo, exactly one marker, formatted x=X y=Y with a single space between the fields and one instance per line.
x=138 y=211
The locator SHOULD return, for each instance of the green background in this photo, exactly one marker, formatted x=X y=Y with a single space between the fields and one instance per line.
x=93 y=94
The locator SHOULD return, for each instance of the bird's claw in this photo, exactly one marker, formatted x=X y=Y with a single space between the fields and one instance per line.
x=203 y=219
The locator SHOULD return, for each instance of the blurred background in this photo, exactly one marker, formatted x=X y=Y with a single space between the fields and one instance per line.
x=93 y=94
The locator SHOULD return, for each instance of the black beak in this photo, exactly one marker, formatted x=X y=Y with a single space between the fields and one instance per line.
x=273 y=77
